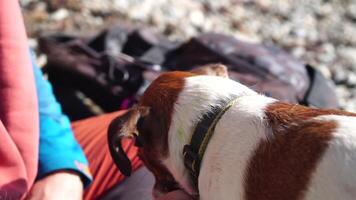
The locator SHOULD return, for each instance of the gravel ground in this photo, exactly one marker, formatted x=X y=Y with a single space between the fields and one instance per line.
x=319 y=32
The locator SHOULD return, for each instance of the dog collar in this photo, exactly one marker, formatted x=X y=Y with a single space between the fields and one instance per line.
x=193 y=153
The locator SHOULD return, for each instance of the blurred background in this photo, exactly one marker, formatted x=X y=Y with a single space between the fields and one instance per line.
x=319 y=32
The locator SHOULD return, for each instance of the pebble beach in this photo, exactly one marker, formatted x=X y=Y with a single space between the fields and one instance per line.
x=319 y=32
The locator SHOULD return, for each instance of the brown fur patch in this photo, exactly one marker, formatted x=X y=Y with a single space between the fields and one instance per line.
x=283 y=113
x=282 y=167
x=160 y=98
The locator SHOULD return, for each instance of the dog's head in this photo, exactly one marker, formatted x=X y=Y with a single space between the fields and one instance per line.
x=148 y=124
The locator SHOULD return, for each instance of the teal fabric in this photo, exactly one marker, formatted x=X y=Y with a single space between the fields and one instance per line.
x=58 y=149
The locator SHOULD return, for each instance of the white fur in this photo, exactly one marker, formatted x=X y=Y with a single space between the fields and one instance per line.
x=335 y=176
x=237 y=135
x=244 y=119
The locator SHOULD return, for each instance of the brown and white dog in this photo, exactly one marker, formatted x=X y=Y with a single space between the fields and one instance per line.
x=260 y=148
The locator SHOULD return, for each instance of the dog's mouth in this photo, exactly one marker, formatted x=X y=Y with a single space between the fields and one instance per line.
x=176 y=193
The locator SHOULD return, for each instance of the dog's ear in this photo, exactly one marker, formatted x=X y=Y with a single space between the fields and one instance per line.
x=212 y=70
x=125 y=126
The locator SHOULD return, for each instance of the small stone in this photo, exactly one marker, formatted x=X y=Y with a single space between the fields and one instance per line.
x=41 y=60
x=325 y=71
x=348 y=55
x=60 y=14
x=351 y=11
x=298 y=51
x=327 y=53
x=40 y=6
x=350 y=105
x=196 y=18
x=353 y=92
x=351 y=80
x=32 y=42
x=342 y=93
x=324 y=10
x=339 y=76
x=25 y=3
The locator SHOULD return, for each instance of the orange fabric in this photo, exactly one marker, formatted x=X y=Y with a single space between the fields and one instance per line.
x=92 y=135
x=19 y=126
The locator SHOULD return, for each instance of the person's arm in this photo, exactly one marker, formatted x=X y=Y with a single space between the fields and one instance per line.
x=60 y=156
x=18 y=106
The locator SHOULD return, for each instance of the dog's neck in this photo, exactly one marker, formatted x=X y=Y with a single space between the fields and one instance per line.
x=199 y=95
x=204 y=130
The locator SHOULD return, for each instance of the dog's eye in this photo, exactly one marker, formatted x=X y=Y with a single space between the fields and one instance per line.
x=140 y=124
x=139 y=141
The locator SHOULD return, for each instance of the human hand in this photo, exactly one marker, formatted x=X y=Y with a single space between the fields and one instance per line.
x=59 y=185
x=176 y=195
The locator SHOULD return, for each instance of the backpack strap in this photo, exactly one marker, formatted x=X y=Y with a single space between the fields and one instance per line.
x=321 y=92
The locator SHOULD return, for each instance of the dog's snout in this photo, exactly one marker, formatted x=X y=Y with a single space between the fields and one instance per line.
x=164 y=187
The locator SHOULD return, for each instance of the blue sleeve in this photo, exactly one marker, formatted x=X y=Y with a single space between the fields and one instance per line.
x=58 y=149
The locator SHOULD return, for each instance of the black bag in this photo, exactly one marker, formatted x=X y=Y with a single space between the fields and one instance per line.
x=113 y=68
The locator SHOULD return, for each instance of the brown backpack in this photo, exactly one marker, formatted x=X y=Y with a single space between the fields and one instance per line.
x=113 y=68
